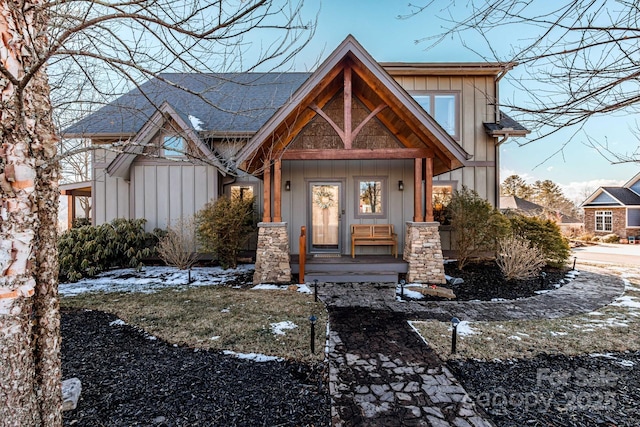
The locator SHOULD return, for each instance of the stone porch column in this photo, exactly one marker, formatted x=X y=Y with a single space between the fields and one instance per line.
x=423 y=252
x=272 y=255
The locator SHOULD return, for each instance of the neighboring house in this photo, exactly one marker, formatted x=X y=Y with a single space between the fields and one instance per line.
x=569 y=225
x=614 y=210
x=355 y=142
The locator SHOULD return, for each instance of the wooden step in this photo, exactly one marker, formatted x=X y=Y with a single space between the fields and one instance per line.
x=352 y=277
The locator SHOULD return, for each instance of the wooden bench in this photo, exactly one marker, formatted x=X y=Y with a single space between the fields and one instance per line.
x=373 y=235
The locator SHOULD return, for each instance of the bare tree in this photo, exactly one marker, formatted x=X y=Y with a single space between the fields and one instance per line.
x=106 y=47
x=578 y=57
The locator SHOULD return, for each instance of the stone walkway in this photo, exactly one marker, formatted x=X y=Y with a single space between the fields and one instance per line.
x=384 y=374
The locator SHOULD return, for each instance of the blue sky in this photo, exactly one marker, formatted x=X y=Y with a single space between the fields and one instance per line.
x=376 y=26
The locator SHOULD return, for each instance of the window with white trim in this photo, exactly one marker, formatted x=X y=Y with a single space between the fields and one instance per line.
x=173 y=146
x=604 y=221
x=443 y=107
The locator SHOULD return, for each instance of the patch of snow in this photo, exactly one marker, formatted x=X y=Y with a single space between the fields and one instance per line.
x=543 y=291
x=304 y=289
x=215 y=338
x=280 y=327
x=626 y=363
x=117 y=322
x=497 y=299
x=556 y=334
x=464 y=328
x=195 y=122
x=514 y=337
x=152 y=279
x=522 y=334
x=408 y=292
x=268 y=287
x=151 y=338
x=256 y=357
x=595 y=313
x=454 y=280
x=603 y=355
x=225 y=310
x=627 y=301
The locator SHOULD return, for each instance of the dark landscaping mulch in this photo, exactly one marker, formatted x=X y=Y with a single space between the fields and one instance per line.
x=484 y=281
x=556 y=390
x=129 y=379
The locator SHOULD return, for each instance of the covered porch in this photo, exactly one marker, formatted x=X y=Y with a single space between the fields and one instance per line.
x=351 y=148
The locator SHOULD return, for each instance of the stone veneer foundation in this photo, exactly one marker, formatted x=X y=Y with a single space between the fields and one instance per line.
x=272 y=256
x=423 y=252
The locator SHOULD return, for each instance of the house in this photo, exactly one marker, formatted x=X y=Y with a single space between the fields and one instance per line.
x=614 y=210
x=569 y=226
x=354 y=142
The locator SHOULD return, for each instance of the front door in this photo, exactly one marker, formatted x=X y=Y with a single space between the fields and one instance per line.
x=325 y=217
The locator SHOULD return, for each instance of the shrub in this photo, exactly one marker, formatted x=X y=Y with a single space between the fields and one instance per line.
x=610 y=238
x=518 y=259
x=223 y=226
x=87 y=251
x=544 y=234
x=178 y=245
x=477 y=225
x=586 y=237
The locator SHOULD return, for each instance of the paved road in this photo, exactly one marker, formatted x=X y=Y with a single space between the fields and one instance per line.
x=609 y=254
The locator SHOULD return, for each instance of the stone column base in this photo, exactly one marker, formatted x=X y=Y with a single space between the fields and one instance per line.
x=272 y=256
x=423 y=252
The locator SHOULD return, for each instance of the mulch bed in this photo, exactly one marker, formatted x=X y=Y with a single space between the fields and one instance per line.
x=484 y=281
x=129 y=379
x=556 y=390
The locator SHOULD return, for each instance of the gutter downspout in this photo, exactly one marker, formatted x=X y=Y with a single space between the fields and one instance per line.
x=504 y=139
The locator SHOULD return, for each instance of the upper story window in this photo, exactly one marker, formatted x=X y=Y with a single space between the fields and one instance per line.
x=444 y=107
x=173 y=146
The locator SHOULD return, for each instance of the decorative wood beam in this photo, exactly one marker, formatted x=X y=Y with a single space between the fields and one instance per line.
x=333 y=124
x=348 y=138
x=417 y=191
x=277 y=191
x=367 y=119
x=266 y=215
x=357 y=154
x=428 y=190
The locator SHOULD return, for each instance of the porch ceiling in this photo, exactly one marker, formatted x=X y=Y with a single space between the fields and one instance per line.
x=352 y=70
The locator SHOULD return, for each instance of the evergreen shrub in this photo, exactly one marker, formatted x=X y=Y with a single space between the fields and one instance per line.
x=87 y=251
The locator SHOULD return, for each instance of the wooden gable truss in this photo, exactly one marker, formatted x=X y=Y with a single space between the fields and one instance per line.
x=351 y=71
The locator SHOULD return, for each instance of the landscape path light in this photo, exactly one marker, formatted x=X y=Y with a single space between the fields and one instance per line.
x=315 y=290
x=313 y=319
x=454 y=334
x=402 y=283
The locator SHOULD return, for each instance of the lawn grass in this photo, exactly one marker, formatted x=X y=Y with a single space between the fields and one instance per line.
x=218 y=317
x=613 y=328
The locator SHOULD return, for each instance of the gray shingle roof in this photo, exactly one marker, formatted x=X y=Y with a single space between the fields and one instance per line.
x=626 y=196
x=223 y=102
x=506 y=124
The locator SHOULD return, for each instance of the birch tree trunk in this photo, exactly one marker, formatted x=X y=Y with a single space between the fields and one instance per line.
x=30 y=372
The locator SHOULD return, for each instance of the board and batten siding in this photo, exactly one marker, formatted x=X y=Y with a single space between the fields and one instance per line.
x=477 y=106
x=296 y=203
x=159 y=192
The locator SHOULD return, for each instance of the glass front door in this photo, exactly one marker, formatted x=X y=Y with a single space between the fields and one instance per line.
x=326 y=208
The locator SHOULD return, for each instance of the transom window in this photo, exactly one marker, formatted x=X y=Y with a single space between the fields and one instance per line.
x=371 y=197
x=604 y=221
x=173 y=146
x=443 y=107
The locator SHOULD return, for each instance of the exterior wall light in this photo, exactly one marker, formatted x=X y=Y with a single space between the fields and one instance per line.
x=287 y=185
x=400 y=185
